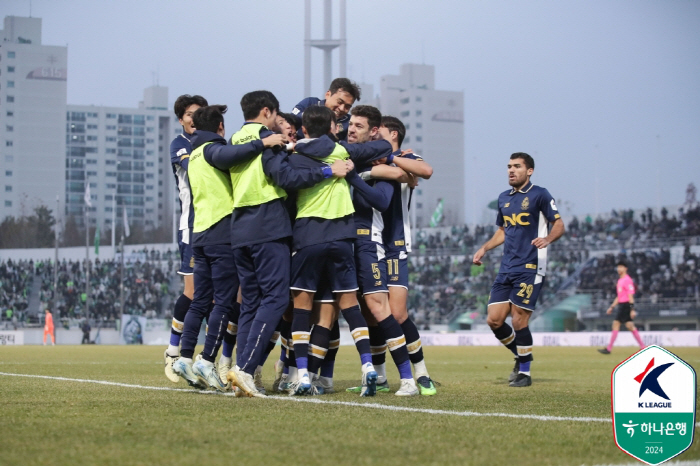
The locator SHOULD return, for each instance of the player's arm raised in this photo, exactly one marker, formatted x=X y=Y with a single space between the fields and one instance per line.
x=556 y=232
x=496 y=240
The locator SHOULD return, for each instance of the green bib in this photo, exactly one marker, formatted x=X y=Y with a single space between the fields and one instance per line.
x=330 y=198
x=212 y=196
x=250 y=184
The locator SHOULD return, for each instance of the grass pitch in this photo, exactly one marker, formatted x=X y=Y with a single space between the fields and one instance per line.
x=64 y=422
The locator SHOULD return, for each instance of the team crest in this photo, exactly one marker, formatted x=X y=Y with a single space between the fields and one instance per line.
x=525 y=204
x=192 y=261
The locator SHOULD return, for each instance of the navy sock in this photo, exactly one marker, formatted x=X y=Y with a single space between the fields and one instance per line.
x=413 y=343
x=231 y=331
x=334 y=344
x=181 y=306
x=523 y=339
x=359 y=332
x=318 y=347
x=285 y=335
x=396 y=341
x=271 y=345
x=301 y=336
x=377 y=344
x=506 y=335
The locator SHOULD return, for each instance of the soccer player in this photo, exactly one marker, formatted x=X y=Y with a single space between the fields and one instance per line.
x=48 y=327
x=324 y=231
x=215 y=274
x=340 y=97
x=260 y=232
x=524 y=212
x=180 y=149
x=625 y=308
x=397 y=238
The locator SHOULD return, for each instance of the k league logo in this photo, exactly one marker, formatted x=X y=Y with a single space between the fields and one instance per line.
x=653 y=405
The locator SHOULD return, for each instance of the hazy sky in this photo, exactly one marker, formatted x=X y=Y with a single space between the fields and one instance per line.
x=604 y=94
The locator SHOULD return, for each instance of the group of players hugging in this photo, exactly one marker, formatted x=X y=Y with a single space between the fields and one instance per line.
x=295 y=219
x=316 y=203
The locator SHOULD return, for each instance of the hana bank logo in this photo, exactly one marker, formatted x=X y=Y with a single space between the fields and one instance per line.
x=649 y=381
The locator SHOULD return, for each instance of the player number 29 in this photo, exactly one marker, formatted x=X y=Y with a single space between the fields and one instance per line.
x=525 y=289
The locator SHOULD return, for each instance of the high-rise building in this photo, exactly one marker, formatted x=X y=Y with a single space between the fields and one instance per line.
x=124 y=154
x=434 y=122
x=32 y=118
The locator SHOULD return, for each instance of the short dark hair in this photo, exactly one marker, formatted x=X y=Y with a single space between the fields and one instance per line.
x=394 y=124
x=253 y=102
x=346 y=85
x=317 y=120
x=208 y=118
x=184 y=101
x=289 y=118
x=529 y=161
x=622 y=263
x=373 y=115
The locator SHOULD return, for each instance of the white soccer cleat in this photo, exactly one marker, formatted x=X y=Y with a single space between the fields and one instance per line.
x=169 y=373
x=257 y=379
x=369 y=380
x=243 y=381
x=408 y=388
x=302 y=386
x=207 y=373
x=222 y=368
x=279 y=372
x=184 y=370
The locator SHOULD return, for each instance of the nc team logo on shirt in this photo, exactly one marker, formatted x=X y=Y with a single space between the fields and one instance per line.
x=653 y=405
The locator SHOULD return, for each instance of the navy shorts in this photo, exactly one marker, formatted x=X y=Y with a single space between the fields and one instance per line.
x=371 y=267
x=184 y=238
x=323 y=292
x=519 y=288
x=397 y=268
x=333 y=260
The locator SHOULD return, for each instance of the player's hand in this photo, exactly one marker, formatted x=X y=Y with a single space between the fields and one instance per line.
x=609 y=311
x=350 y=164
x=478 y=255
x=412 y=180
x=274 y=140
x=633 y=313
x=404 y=152
x=540 y=243
x=339 y=168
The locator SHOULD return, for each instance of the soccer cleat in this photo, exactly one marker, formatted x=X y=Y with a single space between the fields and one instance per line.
x=169 y=360
x=369 y=380
x=222 y=368
x=383 y=387
x=426 y=386
x=257 y=379
x=301 y=387
x=208 y=374
x=514 y=373
x=244 y=381
x=521 y=380
x=604 y=351
x=408 y=388
x=184 y=370
x=316 y=390
x=279 y=373
x=325 y=383
x=283 y=385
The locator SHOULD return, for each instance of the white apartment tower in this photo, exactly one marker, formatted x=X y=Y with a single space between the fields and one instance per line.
x=434 y=122
x=32 y=119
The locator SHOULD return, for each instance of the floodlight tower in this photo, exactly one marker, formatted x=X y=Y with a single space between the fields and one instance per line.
x=327 y=44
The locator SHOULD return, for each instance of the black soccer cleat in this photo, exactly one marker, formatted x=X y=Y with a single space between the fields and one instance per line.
x=604 y=351
x=513 y=375
x=521 y=380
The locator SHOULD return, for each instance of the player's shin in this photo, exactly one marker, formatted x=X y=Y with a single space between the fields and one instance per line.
x=415 y=348
x=377 y=342
x=300 y=339
x=506 y=335
x=396 y=341
x=318 y=348
x=523 y=340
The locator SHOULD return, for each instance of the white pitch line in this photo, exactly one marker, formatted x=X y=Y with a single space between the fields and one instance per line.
x=314 y=400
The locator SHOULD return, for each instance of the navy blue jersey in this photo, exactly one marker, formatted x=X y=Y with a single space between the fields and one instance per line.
x=298 y=111
x=180 y=149
x=370 y=203
x=525 y=215
x=397 y=229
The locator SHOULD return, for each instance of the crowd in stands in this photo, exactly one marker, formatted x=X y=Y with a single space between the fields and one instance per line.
x=15 y=284
x=653 y=272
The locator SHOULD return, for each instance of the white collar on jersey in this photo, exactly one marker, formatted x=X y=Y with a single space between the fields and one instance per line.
x=529 y=186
